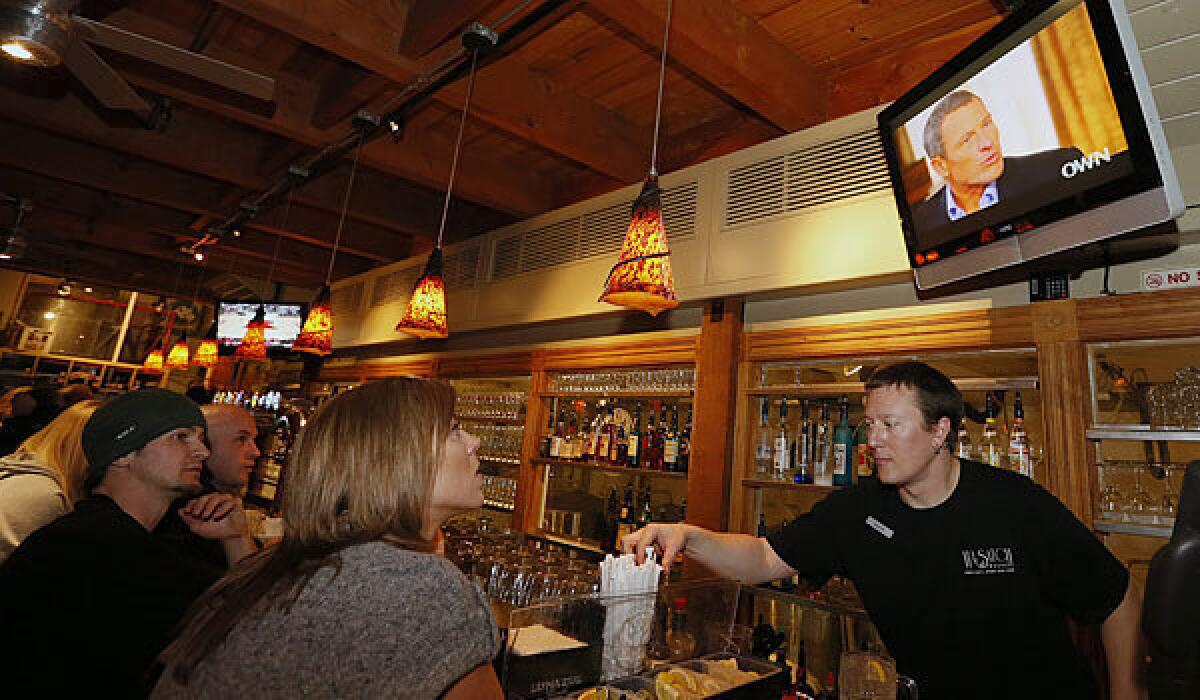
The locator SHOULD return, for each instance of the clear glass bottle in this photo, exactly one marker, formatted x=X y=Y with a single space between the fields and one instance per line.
x=1018 y=443
x=762 y=453
x=964 y=449
x=781 y=464
x=822 y=444
x=991 y=450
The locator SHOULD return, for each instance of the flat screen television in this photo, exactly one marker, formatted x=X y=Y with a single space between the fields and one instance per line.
x=283 y=322
x=1039 y=137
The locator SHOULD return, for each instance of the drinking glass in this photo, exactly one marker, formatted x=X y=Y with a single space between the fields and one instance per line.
x=866 y=676
x=1139 y=505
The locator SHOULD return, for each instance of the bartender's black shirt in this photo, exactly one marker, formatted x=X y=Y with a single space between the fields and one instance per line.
x=972 y=596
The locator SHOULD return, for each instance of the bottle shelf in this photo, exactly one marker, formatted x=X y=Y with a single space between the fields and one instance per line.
x=488 y=420
x=586 y=545
x=621 y=394
x=499 y=459
x=1130 y=528
x=805 y=601
x=609 y=468
x=829 y=389
x=1141 y=432
x=501 y=507
x=787 y=485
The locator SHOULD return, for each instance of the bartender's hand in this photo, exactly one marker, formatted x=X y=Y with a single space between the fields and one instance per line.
x=668 y=539
x=215 y=516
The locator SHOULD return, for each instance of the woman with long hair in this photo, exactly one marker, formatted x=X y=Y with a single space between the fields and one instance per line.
x=44 y=478
x=353 y=602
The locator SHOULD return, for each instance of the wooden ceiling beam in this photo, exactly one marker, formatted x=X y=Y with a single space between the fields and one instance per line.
x=93 y=167
x=424 y=159
x=508 y=95
x=429 y=23
x=731 y=51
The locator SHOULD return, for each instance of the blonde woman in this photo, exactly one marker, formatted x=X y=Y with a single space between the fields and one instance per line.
x=353 y=602
x=44 y=478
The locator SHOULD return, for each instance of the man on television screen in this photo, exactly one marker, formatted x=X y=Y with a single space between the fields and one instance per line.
x=963 y=146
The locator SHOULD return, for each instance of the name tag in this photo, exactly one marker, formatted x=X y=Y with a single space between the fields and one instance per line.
x=879 y=527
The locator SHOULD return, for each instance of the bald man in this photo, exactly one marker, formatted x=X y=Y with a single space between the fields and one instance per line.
x=232 y=454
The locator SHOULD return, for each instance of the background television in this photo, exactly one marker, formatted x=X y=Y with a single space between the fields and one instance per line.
x=284 y=321
x=1053 y=77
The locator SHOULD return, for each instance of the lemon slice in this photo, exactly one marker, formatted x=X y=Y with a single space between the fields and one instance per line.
x=875 y=671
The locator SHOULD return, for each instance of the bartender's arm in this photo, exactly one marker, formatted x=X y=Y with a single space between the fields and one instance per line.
x=740 y=557
x=1121 y=634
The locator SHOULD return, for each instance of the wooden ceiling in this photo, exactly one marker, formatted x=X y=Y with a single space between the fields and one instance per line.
x=562 y=113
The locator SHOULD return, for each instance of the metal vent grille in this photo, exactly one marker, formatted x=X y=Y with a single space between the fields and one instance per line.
x=394 y=286
x=346 y=300
x=589 y=235
x=462 y=268
x=829 y=172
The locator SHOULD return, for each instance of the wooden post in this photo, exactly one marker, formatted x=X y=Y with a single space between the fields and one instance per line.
x=527 y=512
x=717 y=352
x=1062 y=368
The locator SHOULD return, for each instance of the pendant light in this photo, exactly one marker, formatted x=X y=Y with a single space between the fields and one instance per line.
x=154 y=361
x=206 y=352
x=425 y=316
x=178 y=357
x=641 y=279
x=316 y=336
x=254 y=342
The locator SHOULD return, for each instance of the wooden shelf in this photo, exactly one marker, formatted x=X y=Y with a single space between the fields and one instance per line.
x=805 y=601
x=828 y=389
x=496 y=459
x=610 y=468
x=1124 y=528
x=787 y=485
x=489 y=421
x=498 y=507
x=672 y=394
x=578 y=544
x=1141 y=432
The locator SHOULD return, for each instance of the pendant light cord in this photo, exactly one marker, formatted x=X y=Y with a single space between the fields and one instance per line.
x=662 y=72
x=457 y=146
x=287 y=210
x=345 y=206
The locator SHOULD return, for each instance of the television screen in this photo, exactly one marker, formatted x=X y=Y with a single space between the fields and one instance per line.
x=1045 y=118
x=283 y=322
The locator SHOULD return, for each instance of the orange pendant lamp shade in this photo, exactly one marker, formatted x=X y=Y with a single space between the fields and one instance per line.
x=254 y=343
x=425 y=316
x=154 y=361
x=316 y=336
x=642 y=279
x=178 y=357
x=206 y=352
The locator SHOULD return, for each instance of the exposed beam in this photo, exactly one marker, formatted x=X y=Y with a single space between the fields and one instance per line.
x=732 y=52
x=82 y=164
x=508 y=95
x=431 y=22
x=423 y=159
x=216 y=149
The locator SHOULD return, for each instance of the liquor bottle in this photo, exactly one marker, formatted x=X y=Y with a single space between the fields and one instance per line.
x=685 y=445
x=802 y=455
x=619 y=447
x=660 y=439
x=781 y=463
x=671 y=441
x=603 y=434
x=990 y=448
x=762 y=525
x=558 y=442
x=964 y=451
x=681 y=645
x=1018 y=444
x=612 y=512
x=546 y=444
x=864 y=459
x=632 y=454
x=625 y=515
x=822 y=475
x=843 y=440
x=648 y=440
x=762 y=455
x=646 y=513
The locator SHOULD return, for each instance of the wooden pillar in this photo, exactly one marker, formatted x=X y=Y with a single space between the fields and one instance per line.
x=527 y=511
x=1062 y=368
x=717 y=351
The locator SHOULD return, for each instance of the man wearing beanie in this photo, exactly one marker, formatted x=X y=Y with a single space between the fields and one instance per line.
x=89 y=601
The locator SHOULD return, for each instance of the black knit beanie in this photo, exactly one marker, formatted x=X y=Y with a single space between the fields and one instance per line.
x=128 y=422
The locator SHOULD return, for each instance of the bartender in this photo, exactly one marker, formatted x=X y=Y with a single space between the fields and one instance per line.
x=970 y=573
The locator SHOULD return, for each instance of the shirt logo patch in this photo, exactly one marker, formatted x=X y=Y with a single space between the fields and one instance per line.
x=879 y=527
x=988 y=560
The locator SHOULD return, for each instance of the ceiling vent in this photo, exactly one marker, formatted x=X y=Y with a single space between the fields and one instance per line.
x=822 y=174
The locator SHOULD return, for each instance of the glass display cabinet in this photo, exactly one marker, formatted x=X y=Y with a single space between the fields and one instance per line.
x=493 y=409
x=791 y=414
x=614 y=452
